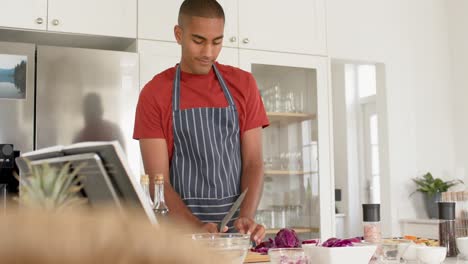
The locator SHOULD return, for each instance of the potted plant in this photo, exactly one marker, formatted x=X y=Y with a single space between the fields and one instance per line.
x=432 y=188
x=51 y=188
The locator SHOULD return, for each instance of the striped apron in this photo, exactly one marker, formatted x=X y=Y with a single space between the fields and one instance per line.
x=206 y=165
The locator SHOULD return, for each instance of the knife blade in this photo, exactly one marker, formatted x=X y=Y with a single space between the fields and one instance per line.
x=233 y=210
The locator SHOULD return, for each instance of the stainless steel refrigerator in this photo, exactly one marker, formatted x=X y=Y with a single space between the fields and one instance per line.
x=68 y=95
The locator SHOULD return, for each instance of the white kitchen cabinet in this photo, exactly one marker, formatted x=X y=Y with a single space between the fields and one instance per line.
x=156 y=56
x=296 y=26
x=157 y=18
x=104 y=17
x=298 y=190
x=27 y=14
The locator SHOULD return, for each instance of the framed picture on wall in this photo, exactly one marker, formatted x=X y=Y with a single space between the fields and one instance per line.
x=13 y=76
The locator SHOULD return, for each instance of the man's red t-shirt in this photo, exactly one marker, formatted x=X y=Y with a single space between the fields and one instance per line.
x=154 y=110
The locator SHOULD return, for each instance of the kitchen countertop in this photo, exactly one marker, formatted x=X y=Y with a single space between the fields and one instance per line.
x=420 y=221
x=452 y=260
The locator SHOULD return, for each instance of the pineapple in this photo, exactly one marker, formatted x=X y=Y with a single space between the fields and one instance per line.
x=51 y=188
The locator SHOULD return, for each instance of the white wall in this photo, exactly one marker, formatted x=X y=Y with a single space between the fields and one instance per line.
x=458 y=22
x=411 y=39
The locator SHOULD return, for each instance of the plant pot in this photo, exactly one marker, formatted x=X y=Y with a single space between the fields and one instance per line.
x=430 y=203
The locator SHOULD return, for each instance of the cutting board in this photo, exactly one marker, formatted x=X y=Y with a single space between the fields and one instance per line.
x=254 y=257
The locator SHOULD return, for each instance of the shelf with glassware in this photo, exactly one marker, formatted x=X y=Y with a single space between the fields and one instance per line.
x=301 y=160
x=287 y=162
x=286 y=172
x=295 y=92
x=299 y=230
x=287 y=210
x=289 y=149
x=289 y=117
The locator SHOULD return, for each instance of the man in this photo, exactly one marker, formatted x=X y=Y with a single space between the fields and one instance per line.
x=200 y=124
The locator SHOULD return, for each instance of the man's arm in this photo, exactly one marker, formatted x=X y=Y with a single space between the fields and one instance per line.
x=156 y=160
x=252 y=170
x=252 y=178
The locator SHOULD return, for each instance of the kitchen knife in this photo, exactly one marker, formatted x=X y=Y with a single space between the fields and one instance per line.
x=233 y=210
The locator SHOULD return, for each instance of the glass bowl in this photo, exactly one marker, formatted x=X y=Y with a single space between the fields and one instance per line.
x=232 y=246
x=393 y=249
x=288 y=255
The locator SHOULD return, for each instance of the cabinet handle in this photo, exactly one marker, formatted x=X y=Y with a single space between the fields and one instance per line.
x=55 y=22
x=39 y=20
x=233 y=39
x=246 y=41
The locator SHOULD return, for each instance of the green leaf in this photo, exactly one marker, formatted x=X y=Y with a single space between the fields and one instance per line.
x=428 y=184
x=51 y=187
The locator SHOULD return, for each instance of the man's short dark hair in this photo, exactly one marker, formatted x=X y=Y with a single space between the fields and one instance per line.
x=200 y=8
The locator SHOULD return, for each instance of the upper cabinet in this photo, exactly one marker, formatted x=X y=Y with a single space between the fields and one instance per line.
x=29 y=14
x=297 y=26
x=104 y=17
x=157 y=18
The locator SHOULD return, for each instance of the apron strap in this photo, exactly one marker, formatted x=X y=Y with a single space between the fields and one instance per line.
x=224 y=86
x=176 y=90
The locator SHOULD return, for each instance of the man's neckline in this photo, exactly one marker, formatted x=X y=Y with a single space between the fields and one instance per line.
x=198 y=76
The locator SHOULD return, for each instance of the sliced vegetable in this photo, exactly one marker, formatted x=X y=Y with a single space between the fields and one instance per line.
x=336 y=242
x=287 y=238
x=264 y=246
x=311 y=241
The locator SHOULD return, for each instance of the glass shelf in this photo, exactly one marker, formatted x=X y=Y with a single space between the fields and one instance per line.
x=299 y=230
x=287 y=172
x=278 y=117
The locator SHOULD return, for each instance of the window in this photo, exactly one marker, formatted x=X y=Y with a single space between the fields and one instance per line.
x=366 y=80
x=371 y=151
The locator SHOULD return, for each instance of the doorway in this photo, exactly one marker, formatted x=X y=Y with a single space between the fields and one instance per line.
x=360 y=142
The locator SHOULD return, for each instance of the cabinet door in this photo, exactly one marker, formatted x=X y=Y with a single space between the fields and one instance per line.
x=295 y=26
x=104 y=17
x=157 y=18
x=231 y=38
x=156 y=56
x=29 y=14
x=296 y=146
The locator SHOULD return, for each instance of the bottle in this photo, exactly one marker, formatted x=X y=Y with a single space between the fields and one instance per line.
x=144 y=182
x=447 y=227
x=159 y=207
x=371 y=223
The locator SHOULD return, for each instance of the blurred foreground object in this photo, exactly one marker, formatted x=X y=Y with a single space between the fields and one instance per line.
x=94 y=236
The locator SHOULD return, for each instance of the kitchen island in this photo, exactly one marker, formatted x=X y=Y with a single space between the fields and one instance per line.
x=452 y=260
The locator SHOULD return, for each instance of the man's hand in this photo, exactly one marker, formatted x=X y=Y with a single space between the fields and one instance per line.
x=246 y=225
x=212 y=228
